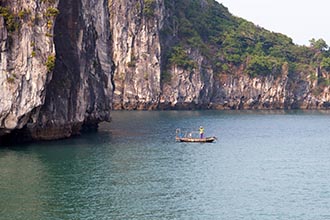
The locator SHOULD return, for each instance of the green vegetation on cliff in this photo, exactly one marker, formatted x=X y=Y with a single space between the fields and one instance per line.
x=230 y=42
x=180 y=58
x=10 y=18
x=149 y=8
x=50 y=63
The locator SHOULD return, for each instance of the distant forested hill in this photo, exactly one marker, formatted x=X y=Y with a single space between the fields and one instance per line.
x=229 y=42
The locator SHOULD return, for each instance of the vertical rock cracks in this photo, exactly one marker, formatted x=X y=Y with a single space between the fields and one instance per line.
x=26 y=42
x=80 y=91
x=64 y=66
x=135 y=26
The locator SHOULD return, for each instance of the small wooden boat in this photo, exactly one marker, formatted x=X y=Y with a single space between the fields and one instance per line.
x=192 y=137
x=202 y=140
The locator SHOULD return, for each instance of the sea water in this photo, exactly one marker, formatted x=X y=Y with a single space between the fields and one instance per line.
x=264 y=165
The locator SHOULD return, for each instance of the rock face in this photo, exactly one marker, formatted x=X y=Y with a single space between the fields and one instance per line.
x=80 y=91
x=26 y=43
x=56 y=72
x=135 y=28
x=200 y=88
x=188 y=89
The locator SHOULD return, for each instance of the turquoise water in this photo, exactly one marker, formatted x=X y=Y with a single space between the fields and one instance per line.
x=265 y=165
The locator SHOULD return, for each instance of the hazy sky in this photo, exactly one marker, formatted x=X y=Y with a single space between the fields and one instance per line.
x=301 y=20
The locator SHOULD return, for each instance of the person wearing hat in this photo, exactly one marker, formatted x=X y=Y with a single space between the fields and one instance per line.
x=201 y=131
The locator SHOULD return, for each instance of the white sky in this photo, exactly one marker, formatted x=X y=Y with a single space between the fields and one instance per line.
x=301 y=20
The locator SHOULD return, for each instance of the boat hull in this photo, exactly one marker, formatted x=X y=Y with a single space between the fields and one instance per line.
x=197 y=140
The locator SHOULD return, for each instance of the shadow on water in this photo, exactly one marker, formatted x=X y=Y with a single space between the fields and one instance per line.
x=14 y=141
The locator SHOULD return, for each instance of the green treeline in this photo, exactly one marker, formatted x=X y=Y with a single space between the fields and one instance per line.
x=229 y=42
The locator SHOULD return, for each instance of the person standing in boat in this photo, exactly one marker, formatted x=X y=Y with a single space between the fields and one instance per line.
x=201 y=131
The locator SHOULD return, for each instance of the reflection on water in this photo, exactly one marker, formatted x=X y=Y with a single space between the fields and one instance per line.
x=271 y=165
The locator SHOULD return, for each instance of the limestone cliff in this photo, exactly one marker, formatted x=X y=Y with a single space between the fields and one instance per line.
x=135 y=27
x=149 y=76
x=26 y=43
x=188 y=89
x=80 y=91
x=201 y=88
x=56 y=69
